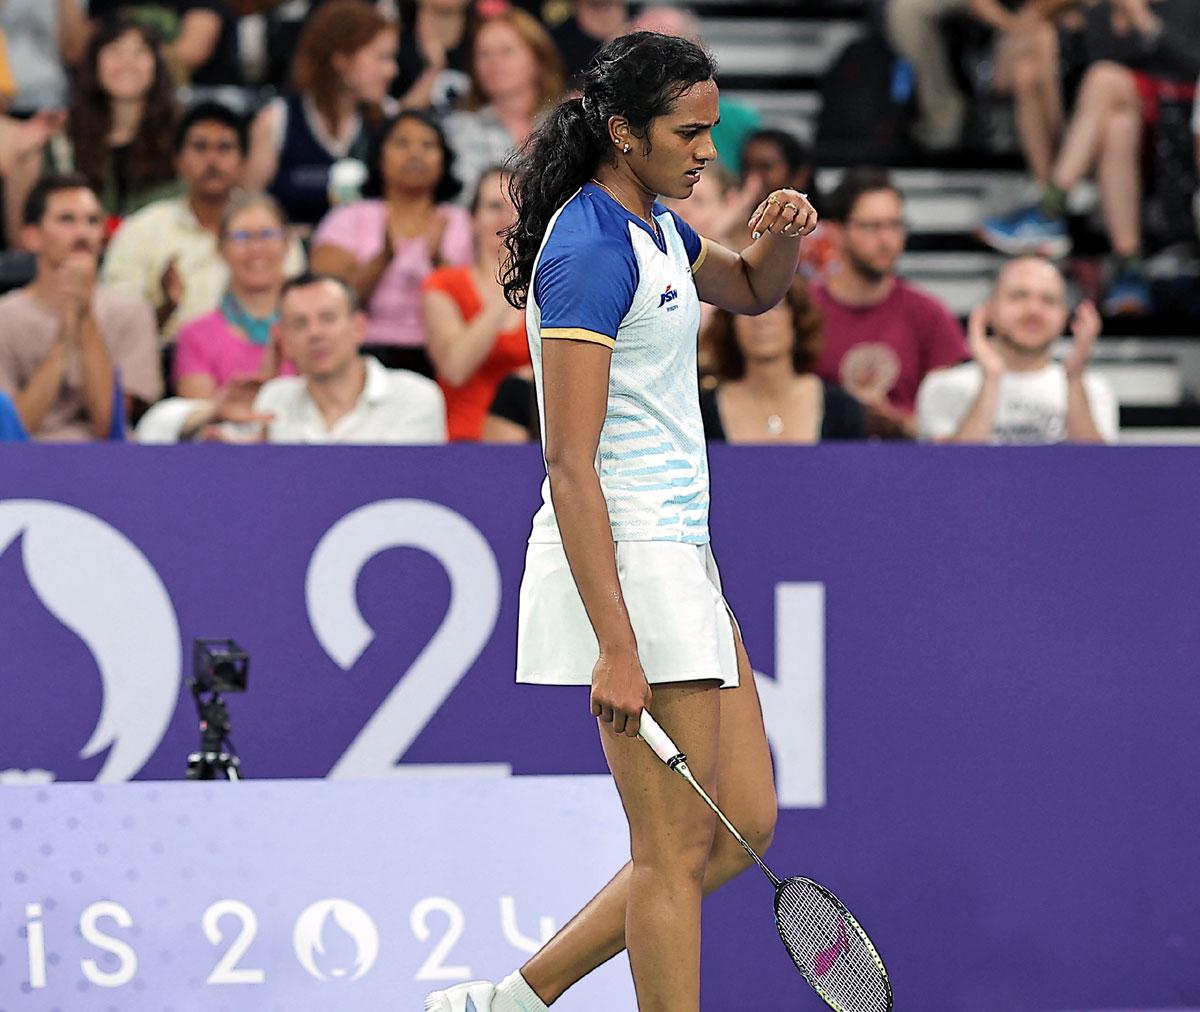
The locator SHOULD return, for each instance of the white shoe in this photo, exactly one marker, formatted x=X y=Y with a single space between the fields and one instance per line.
x=474 y=996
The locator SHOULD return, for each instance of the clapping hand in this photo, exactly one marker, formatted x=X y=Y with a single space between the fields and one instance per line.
x=73 y=284
x=434 y=231
x=1085 y=327
x=234 y=403
x=273 y=357
x=982 y=349
x=24 y=138
x=171 y=281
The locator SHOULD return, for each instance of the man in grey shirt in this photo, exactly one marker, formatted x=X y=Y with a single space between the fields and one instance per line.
x=68 y=345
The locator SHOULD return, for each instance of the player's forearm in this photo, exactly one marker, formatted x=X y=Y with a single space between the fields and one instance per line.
x=586 y=530
x=768 y=269
x=980 y=420
x=1081 y=425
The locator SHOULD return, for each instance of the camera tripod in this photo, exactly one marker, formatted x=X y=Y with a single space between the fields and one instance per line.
x=216 y=759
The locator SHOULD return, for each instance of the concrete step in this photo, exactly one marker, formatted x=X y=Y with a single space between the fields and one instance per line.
x=793 y=111
x=777 y=47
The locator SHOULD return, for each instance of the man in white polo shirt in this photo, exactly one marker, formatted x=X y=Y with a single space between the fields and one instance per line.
x=339 y=396
x=1013 y=392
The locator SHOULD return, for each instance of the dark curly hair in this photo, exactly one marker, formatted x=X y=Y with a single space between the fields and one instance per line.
x=89 y=122
x=639 y=76
x=807 y=328
x=448 y=185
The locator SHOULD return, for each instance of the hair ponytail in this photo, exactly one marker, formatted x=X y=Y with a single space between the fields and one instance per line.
x=560 y=156
x=639 y=76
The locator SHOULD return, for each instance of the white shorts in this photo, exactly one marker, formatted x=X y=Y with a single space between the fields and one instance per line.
x=672 y=591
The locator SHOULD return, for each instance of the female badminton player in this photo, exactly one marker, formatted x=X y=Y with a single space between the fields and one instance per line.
x=620 y=589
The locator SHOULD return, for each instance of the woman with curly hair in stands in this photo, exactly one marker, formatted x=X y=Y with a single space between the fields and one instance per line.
x=766 y=390
x=516 y=76
x=117 y=132
x=344 y=63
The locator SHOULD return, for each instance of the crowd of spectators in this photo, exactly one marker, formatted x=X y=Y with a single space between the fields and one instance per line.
x=322 y=266
x=1101 y=90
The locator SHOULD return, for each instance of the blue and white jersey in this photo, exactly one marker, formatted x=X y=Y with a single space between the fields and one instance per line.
x=603 y=276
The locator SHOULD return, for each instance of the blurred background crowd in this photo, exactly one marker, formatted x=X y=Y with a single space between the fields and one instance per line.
x=277 y=220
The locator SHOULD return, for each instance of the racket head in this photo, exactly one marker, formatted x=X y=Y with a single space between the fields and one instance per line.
x=830 y=948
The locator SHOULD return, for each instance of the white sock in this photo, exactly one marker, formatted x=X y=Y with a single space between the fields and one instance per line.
x=513 y=994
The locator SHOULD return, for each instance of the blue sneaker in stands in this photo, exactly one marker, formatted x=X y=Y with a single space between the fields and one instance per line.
x=1027 y=230
x=1128 y=295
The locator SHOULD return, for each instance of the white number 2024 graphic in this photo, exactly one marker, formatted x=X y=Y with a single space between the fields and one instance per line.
x=793 y=701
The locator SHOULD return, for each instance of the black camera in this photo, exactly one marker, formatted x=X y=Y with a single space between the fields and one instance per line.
x=219 y=666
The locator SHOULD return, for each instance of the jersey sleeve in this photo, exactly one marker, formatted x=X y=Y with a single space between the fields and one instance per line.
x=584 y=289
x=695 y=244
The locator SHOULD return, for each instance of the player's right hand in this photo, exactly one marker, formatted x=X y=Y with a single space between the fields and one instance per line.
x=620 y=691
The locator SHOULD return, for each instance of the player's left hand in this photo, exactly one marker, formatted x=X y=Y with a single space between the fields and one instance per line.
x=784 y=212
x=1085 y=327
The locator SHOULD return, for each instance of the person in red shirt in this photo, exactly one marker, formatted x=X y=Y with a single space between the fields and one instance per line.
x=474 y=337
x=882 y=335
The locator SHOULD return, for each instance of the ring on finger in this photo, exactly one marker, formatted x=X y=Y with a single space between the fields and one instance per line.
x=794 y=207
x=772 y=200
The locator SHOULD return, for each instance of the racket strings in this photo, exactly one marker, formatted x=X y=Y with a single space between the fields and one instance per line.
x=830 y=949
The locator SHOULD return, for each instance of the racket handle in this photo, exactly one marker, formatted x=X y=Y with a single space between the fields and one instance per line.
x=652 y=734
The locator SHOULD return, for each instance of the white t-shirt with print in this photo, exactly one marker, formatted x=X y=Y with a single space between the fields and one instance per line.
x=1032 y=408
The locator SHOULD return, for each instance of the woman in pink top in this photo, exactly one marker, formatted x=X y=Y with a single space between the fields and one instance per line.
x=235 y=338
x=384 y=248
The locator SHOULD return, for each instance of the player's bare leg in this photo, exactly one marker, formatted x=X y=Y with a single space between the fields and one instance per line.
x=744 y=780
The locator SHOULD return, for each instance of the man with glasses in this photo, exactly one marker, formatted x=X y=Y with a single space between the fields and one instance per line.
x=166 y=254
x=882 y=335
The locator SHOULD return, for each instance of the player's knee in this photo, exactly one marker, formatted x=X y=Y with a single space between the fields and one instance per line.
x=682 y=853
x=762 y=831
x=757 y=828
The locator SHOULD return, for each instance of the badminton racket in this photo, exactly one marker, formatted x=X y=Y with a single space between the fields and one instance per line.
x=823 y=938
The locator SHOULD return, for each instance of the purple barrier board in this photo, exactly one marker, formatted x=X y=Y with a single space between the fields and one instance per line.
x=978 y=671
